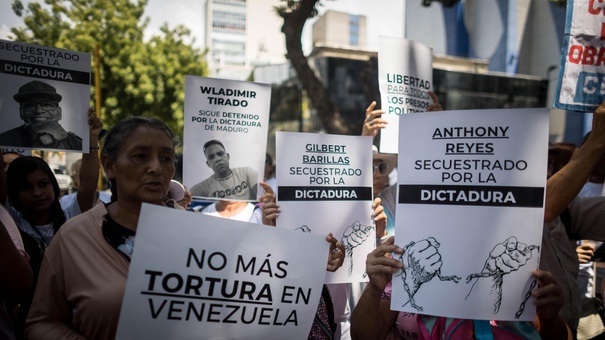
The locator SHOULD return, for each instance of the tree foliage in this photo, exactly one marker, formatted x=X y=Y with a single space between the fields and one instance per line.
x=137 y=77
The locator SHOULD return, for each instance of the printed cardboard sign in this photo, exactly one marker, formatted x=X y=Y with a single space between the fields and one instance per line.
x=44 y=97
x=194 y=276
x=470 y=212
x=405 y=76
x=324 y=185
x=226 y=126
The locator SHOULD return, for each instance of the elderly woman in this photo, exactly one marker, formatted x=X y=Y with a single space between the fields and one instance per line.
x=83 y=275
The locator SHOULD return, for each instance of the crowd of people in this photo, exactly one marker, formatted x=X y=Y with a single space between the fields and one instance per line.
x=66 y=259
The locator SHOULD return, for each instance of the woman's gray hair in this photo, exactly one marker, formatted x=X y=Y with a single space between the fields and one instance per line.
x=116 y=136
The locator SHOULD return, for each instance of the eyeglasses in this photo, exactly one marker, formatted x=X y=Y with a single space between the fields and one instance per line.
x=46 y=106
x=381 y=168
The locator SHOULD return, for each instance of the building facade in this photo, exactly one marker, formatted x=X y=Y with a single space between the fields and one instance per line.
x=340 y=30
x=242 y=34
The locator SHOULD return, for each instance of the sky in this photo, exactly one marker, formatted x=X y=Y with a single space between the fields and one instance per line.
x=385 y=19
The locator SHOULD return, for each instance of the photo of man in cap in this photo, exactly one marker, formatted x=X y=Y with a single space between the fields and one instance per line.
x=40 y=111
x=226 y=183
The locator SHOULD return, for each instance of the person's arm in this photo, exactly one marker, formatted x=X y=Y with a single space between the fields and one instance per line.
x=50 y=314
x=564 y=186
x=2 y=179
x=549 y=300
x=16 y=275
x=89 y=172
x=372 y=317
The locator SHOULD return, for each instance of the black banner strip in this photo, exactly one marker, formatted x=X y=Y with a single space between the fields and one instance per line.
x=500 y=196
x=44 y=72
x=324 y=193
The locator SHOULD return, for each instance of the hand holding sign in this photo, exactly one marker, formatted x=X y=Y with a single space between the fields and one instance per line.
x=380 y=267
x=549 y=296
x=337 y=253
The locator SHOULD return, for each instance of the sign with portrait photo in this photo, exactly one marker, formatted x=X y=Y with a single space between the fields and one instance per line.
x=324 y=185
x=44 y=97
x=472 y=202
x=405 y=77
x=226 y=127
x=220 y=279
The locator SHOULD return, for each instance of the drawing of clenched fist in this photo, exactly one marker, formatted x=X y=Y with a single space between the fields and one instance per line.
x=507 y=256
x=422 y=262
x=352 y=237
x=504 y=258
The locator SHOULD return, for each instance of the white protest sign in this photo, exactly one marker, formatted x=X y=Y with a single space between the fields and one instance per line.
x=405 y=76
x=470 y=212
x=324 y=185
x=44 y=97
x=582 y=69
x=226 y=126
x=194 y=276
x=19 y=151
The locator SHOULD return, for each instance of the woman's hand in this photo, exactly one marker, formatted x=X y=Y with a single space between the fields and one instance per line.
x=379 y=217
x=268 y=196
x=270 y=212
x=380 y=267
x=336 y=255
x=549 y=296
x=186 y=200
x=373 y=121
x=435 y=106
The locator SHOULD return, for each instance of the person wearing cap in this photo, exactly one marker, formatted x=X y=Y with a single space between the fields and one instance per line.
x=40 y=111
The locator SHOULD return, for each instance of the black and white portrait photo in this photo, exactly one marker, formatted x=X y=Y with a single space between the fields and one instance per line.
x=226 y=183
x=44 y=97
x=41 y=113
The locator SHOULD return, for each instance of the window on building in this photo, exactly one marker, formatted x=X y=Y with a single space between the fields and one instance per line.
x=354 y=30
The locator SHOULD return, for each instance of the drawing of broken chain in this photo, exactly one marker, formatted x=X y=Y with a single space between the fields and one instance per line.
x=504 y=258
x=355 y=235
x=422 y=262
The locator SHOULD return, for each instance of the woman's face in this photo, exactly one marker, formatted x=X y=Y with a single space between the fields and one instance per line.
x=144 y=166
x=38 y=194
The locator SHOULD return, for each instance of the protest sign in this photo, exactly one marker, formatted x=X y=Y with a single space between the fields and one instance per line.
x=44 y=97
x=405 y=76
x=324 y=185
x=226 y=126
x=19 y=151
x=472 y=202
x=582 y=69
x=220 y=279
